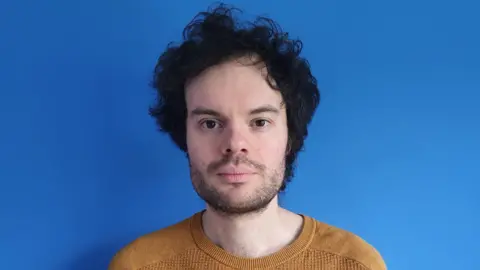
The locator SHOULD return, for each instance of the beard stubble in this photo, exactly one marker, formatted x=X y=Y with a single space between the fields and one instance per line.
x=256 y=201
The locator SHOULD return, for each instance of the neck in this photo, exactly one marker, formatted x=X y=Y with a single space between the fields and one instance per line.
x=255 y=234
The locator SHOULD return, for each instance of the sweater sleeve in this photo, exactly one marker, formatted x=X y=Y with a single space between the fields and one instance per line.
x=123 y=259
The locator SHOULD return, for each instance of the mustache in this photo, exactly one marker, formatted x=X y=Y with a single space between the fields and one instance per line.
x=235 y=160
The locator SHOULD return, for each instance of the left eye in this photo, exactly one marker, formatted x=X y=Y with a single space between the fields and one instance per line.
x=260 y=122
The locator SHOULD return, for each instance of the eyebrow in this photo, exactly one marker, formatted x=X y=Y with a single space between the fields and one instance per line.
x=265 y=109
x=204 y=111
x=259 y=110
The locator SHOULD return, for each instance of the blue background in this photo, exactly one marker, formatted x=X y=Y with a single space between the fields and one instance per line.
x=393 y=153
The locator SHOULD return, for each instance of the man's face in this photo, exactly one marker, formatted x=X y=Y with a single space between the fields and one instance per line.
x=236 y=137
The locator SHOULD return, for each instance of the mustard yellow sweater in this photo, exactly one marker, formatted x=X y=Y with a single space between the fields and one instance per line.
x=185 y=246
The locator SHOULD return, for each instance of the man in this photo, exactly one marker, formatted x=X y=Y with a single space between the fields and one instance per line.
x=238 y=100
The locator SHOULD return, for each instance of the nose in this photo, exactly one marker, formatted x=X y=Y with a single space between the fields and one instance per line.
x=234 y=141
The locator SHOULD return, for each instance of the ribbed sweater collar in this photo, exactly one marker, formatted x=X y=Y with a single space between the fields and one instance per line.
x=297 y=246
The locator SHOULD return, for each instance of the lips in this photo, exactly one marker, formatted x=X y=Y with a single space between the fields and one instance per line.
x=235 y=177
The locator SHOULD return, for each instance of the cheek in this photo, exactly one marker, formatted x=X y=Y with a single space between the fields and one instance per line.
x=202 y=144
x=196 y=159
x=199 y=153
x=273 y=151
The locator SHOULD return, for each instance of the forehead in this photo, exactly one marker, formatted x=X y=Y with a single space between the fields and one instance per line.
x=231 y=85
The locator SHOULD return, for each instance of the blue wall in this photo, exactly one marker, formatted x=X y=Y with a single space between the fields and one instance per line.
x=393 y=153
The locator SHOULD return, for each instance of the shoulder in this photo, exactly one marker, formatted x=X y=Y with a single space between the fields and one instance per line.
x=153 y=247
x=346 y=245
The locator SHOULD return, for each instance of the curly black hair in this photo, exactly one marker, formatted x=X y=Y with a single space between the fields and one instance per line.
x=215 y=36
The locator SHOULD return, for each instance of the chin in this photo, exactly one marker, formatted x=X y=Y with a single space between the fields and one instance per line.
x=242 y=205
x=238 y=190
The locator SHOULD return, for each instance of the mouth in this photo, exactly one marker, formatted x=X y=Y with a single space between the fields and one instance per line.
x=235 y=178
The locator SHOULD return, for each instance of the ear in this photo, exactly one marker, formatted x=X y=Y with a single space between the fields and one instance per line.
x=289 y=146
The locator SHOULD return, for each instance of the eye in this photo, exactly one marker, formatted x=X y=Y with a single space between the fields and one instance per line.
x=261 y=123
x=210 y=124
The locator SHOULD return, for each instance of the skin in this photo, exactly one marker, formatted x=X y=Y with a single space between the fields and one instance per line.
x=237 y=140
